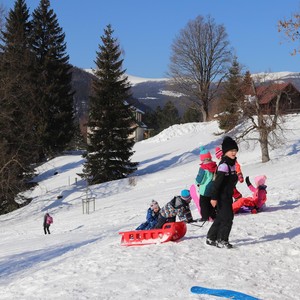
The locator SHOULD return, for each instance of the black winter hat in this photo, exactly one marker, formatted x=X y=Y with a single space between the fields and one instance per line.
x=229 y=144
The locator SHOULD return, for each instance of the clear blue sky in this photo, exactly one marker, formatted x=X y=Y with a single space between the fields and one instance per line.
x=147 y=28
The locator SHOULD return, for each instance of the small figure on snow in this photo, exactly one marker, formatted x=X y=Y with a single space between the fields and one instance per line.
x=258 y=199
x=236 y=193
x=178 y=206
x=151 y=218
x=221 y=195
x=48 y=220
x=204 y=181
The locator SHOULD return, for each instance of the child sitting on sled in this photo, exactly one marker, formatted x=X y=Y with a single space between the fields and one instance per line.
x=151 y=218
x=259 y=196
x=178 y=206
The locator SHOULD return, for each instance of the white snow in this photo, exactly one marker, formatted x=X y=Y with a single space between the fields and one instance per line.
x=275 y=75
x=263 y=76
x=83 y=258
x=171 y=93
x=134 y=79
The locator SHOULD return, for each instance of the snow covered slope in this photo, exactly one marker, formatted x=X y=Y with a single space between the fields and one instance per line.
x=83 y=259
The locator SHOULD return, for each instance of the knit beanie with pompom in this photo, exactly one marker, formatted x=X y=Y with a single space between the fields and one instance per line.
x=204 y=154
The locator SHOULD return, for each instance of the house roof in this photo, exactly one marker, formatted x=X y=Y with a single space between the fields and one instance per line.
x=266 y=93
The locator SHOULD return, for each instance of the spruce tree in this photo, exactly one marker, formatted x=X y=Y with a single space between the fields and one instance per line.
x=248 y=84
x=168 y=116
x=16 y=90
x=17 y=127
x=53 y=86
x=232 y=98
x=151 y=120
x=111 y=121
x=192 y=114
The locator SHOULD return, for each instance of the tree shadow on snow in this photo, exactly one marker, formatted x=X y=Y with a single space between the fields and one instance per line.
x=295 y=148
x=283 y=205
x=21 y=262
x=185 y=157
x=57 y=170
x=272 y=237
x=167 y=163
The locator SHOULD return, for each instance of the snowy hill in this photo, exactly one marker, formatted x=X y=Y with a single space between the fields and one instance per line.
x=83 y=259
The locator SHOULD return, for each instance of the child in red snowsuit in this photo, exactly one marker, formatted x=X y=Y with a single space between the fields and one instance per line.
x=259 y=196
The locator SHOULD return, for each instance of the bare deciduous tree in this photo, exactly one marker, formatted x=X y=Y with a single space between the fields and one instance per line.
x=290 y=28
x=199 y=61
x=266 y=119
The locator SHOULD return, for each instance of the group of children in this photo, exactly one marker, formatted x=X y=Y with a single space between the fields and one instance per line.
x=217 y=190
x=177 y=207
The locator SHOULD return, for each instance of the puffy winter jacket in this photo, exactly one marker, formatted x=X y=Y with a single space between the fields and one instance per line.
x=177 y=207
x=151 y=220
x=205 y=177
x=225 y=180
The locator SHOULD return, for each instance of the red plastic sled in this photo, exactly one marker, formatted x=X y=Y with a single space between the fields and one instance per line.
x=169 y=232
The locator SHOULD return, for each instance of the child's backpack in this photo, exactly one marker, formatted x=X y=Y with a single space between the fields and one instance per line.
x=49 y=220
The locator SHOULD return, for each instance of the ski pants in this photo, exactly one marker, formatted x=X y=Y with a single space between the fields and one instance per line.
x=221 y=227
x=162 y=220
x=207 y=210
x=46 y=228
x=249 y=202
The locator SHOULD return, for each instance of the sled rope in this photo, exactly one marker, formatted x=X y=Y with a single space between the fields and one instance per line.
x=198 y=225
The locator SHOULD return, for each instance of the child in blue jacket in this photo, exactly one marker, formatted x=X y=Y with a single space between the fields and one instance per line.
x=151 y=218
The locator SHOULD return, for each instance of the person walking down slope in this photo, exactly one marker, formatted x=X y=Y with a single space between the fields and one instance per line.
x=221 y=195
x=48 y=220
x=204 y=181
x=178 y=206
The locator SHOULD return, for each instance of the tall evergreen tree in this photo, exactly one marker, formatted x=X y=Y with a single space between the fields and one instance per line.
x=18 y=139
x=151 y=120
x=110 y=119
x=232 y=97
x=53 y=87
x=192 y=114
x=168 y=116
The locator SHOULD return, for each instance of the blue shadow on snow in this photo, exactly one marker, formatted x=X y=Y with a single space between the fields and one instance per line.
x=18 y=263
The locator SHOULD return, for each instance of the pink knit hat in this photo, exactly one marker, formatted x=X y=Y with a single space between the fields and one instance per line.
x=260 y=180
x=219 y=153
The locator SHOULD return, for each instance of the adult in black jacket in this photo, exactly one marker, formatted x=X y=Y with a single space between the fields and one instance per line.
x=222 y=191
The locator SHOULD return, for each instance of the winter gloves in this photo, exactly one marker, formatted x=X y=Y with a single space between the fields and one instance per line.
x=248 y=181
x=240 y=177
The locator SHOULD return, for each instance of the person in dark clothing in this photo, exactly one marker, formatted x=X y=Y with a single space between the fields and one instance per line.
x=47 y=222
x=221 y=195
x=178 y=206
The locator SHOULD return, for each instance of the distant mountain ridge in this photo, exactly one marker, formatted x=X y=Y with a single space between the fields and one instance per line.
x=148 y=93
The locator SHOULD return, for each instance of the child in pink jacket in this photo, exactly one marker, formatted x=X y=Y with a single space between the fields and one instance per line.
x=259 y=196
